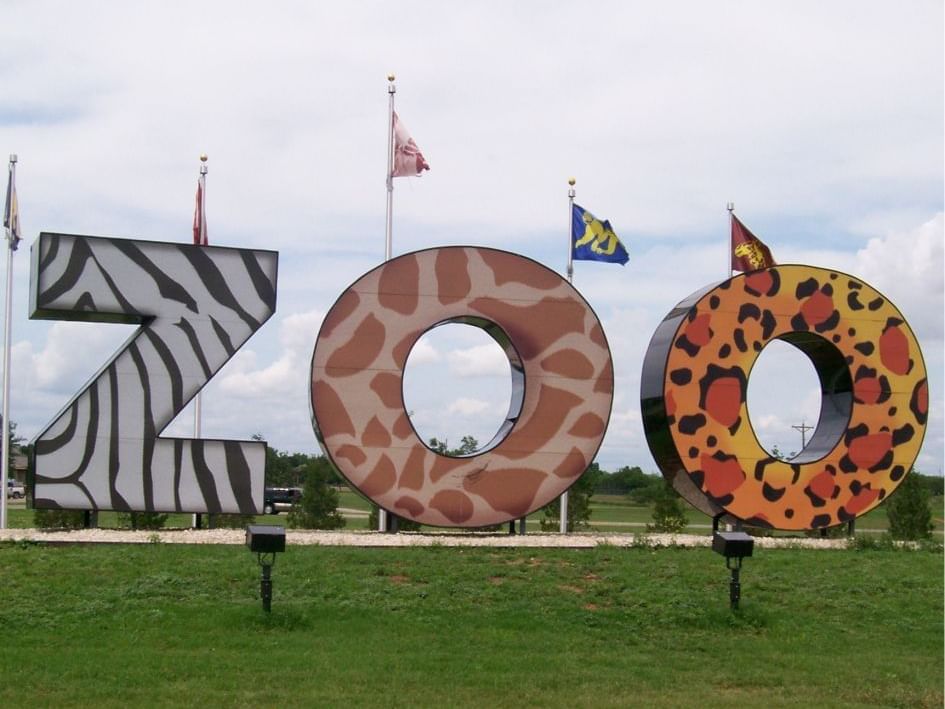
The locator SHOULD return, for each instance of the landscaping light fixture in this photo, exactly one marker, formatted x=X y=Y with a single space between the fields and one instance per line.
x=734 y=546
x=266 y=540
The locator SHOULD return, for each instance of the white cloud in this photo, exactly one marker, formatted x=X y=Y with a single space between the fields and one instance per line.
x=909 y=267
x=466 y=406
x=481 y=361
x=73 y=352
x=287 y=375
x=423 y=353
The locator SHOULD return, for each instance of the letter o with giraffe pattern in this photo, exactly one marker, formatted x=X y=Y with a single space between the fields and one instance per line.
x=561 y=395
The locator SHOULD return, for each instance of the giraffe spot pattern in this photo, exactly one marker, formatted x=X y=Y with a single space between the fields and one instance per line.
x=357 y=370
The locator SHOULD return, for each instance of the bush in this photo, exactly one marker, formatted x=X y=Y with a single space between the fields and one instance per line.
x=908 y=510
x=142 y=520
x=871 y=542
x=318 y=508
x=669 y=515
x=229 y=521
x=579 y=503
x=58 y=519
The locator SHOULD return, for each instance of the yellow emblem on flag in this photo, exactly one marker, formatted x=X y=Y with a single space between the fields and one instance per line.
x=751 y=251
x=599 y=235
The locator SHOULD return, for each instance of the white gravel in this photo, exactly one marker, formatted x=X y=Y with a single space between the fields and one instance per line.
x=376 y=539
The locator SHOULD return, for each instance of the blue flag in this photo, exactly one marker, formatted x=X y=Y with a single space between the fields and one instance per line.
x=595 y=240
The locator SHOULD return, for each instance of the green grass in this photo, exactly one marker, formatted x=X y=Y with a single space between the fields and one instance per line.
x=160 y=625
x=609 y=513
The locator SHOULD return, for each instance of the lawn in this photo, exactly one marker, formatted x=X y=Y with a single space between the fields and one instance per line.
x=609 y=513
x=160 y=625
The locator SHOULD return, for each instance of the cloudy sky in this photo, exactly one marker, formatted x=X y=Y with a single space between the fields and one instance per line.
x=822 y=122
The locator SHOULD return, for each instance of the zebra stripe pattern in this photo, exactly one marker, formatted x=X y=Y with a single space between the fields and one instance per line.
x=197 y=305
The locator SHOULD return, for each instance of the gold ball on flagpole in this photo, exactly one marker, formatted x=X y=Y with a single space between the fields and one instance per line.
x=571 y=181
x=390 y=77
x=203 y=157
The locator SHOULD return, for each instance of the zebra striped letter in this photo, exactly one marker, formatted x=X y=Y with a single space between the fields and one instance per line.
x=197 y=305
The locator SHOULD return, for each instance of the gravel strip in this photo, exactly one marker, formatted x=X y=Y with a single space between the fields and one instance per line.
x=376 y=539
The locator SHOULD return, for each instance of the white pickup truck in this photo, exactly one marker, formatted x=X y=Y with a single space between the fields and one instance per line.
x=15 y=489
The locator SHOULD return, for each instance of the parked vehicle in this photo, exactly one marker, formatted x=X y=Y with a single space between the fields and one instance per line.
x=15 y=489
x=280 y=499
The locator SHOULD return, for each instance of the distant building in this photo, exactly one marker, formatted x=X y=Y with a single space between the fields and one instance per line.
x=19 y=465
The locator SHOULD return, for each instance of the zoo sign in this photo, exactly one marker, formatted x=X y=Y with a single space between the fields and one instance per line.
x=196 y=306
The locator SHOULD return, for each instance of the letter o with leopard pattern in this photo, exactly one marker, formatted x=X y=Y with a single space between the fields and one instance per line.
x=874 y=397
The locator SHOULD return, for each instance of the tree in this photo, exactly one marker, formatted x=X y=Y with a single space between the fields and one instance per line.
x=668 y=512
x=15 y=442
x=467 y=446
x=777 y=453
x=935 y=484
x=620 y=482
x=579 y=502
x=318 y=508
x=908 y=510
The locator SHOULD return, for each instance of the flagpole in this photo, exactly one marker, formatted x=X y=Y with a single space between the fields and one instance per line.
x=389 y=234
x=571 y=194
x=563 y=521
x=5 y=458
x=202 y=181
x=388 y=244
x=203 y=212
x=731 y=215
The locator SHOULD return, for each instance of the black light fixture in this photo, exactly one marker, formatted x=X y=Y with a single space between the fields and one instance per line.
x=266 y=541
x=734 y=546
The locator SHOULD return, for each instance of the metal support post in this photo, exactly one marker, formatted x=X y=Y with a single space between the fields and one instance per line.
x=265 y=586
x=735 y=587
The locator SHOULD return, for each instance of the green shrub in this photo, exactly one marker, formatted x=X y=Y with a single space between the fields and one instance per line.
x=142 y=520
x=908 y=510
x=669 y=515
x=228 y=521
x=318 y=508
x=872 y=542
x=58 y=519
x=579 y=503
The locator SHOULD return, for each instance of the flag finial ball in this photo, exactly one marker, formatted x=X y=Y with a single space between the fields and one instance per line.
x=391 y=77
x=203 y=157
x=571 y=181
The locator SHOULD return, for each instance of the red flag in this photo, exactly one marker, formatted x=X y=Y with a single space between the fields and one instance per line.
x=200 y=217
x=408 y=160
x=748 y=251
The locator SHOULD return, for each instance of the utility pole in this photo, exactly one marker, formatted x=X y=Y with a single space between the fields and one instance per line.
x=803 y=428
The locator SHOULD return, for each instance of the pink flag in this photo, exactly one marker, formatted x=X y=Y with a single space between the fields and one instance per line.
x=408 y=160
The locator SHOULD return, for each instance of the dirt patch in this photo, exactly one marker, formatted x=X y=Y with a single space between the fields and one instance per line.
x=570 y=589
